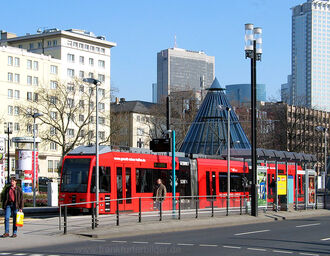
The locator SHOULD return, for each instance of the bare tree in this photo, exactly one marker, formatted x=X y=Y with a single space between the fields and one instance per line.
x=68 y=111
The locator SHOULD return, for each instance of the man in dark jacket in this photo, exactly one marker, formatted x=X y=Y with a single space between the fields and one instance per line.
x=11 y=202
x=159 y=193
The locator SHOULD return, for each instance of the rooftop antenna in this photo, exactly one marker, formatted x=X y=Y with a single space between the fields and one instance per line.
x=175 y=46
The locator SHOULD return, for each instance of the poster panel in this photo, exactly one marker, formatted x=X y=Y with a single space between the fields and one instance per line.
x=23 y=160
x=262 y=185
x=311 y=189
x=281 y=185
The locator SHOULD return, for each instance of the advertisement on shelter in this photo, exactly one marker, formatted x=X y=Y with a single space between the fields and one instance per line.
x=281 y=185
x=262 y=185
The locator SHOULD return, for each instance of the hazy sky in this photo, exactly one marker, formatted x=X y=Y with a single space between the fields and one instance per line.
x=142 y=28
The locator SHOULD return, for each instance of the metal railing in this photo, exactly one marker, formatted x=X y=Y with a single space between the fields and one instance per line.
x=155 y=209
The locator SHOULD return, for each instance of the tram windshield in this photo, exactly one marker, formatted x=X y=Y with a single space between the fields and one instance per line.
x=75 y=175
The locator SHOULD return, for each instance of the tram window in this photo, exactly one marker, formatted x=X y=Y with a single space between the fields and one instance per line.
x=144 y=181
x=105 y=180
x=208 y=188
x=183 y=181
x=222 y=182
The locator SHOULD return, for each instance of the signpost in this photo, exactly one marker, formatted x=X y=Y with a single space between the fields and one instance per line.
x=2 y=171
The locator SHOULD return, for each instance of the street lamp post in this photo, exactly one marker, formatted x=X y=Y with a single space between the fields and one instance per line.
x=8 y=131
x=325 y=130
x=96 y=83
x=221 y=107
x=253 y=51
x=35 y=115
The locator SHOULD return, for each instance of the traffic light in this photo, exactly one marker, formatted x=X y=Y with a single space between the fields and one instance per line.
x=160 y=145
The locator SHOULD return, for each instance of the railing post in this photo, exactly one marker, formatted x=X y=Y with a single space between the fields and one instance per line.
x=227 y=206
x=117 y=213
x=196 y=207
x=160 y=210
x=140 y=210
x=324 y=200
x=65 y=219
x=179 y=216
x=212 y=206
x=93 y=216
x=240 y=205
x=59 y=221
x=316 y=200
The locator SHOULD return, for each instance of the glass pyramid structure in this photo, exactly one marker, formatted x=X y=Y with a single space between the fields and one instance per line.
x=208 y=133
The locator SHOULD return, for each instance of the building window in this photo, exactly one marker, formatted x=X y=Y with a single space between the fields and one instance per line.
x=81 y=118
x=29 y=64
x=52 y=131
x=54 y=42
x=69 y=43
x=75 y=44
x=10 y=60
x=81 y=88
x=17 y=62
x=29 y=95
x=70 y=87
x=16 y=127
x=70 y=132
x=81 y=104
x=101 y=120
x=10 y=77
x=50 y=165
x=53 y=69
x=101 y=78
x=101 y=63
x=49 y=43
x=70 y=103
x=81 y=45
x=35 y=97
x=53 y=146
x=101 y=92
x=53 y=100
x=140 y=131
x=53 y=85
x=17 y=78
x=101 y=106
x=91 y=61
x=16 y=111
x=102 y=135
x=31 y=46
x=91 y=90
x=20 y=46
x=35 y=81
x=91 y=75
x=29 y=80
x=70 y=72
x=102 y=50
x=10 y=93
x=81 y=60
x=92 y=48
x=81 y=74
x=35 y=65
x=39 y=45
x=86 y=46
x=29 y=128
x=10 y=110
x=70 y=57
x=98 y=49
x=17 y=94
x=53 y=115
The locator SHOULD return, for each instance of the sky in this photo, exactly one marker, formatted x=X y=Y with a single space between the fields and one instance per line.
x=143 y=28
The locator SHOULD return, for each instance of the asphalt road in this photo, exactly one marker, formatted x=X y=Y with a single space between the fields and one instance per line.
x=291 y=237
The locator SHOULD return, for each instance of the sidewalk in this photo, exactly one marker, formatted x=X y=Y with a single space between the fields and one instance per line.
x=43 y=232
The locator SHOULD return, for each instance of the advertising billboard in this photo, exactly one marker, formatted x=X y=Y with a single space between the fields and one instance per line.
x=281 y=185
x=262 y=185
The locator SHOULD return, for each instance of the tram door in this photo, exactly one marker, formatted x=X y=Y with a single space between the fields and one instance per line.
x=211 y=183
x=124 y=187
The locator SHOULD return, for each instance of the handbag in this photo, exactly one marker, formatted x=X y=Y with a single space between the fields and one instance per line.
x=19 y=219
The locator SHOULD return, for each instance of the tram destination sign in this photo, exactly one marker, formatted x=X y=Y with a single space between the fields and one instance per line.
x=160 y=145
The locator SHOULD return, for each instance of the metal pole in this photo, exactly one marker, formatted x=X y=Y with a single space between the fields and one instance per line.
x=173 y=173
x=60 y=217
x=65 y=219
x=196 y=207
x=8 y=160
x=228 y=161
x=97 y=151
x=276 y=198
x=140 y=209
x=254 y=201
x=93 y=216
x=325 y=167
x=296 y=189
x=34 y=161
x=212 y=205
x=160 y=210
x=179 y=216
x=117 y=213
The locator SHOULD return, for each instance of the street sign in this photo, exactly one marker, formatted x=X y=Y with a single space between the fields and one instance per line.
x=160 y=145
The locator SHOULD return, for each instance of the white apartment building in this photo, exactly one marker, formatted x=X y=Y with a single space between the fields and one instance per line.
x=43 y=59
x=311 y=55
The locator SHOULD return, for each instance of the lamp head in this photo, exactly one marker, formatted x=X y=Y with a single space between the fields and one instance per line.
x=91 y=81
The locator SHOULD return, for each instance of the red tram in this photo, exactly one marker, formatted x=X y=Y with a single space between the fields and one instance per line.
x=126 y=175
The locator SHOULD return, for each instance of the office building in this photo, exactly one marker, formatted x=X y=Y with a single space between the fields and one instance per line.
x=43 y=60
x=286 y=91
x=311 y=54
x=239 y=94
x=154 y=93
x=183 y=70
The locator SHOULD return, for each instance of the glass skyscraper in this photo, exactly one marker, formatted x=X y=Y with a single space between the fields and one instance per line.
x=311 y=55
x=183 y=70
x=239 y=94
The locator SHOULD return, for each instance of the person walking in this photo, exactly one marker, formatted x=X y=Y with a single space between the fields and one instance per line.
x=12 y=201
x=159 y=193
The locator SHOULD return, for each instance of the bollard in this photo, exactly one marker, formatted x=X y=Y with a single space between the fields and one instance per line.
x=240 y=205
x=196 y=207
x=140 y=213
x=59 y=220
x=65 y=219
x=212 y=206
x=117 y=213
x=179 y=216
x=93 y=216
x=227 y=206
x=160 y=210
